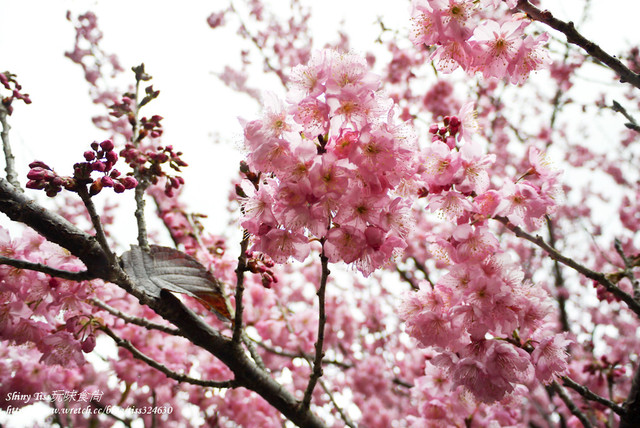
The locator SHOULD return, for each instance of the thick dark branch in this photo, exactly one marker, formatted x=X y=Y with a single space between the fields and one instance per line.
x=164 y=369
x=55 y=228
x=10 y=168
x=632 y=404
x=571 y=405
x=574 y=37
x=599 y=277
x=589 y=395
x=64 y=274
x=322 y=319
x=142 y=322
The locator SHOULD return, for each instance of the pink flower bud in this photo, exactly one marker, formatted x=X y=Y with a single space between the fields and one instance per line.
x=112 y=157
x=118 y=187
x=129 y=182
x=107 y=145
x=33 y=184
x=89 y=344
x=89 y=155
x=107 y=181
x=99 y=166
x=36 y=174
x=38 y=164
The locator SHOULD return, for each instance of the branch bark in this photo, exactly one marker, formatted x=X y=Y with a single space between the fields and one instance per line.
x=574 y=37
x=10 y=168
x=598 y=277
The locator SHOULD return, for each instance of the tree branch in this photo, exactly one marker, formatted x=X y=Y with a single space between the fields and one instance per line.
x=589 y=395
x=322 y=319
x=164 y=369
x=632 y=124
x=142 y=322
x=55 y=228
x=574 y=37
x=95 y=220
x=10 y=168
x=240 y=270
x=64 y=274
x=571 y=405
x=599 y=277
x=559 y=280
x=632 y=403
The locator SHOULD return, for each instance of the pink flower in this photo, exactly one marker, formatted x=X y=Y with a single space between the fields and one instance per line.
x=550 y=357
x=281 y=244
x=344 y=244
x=500 y=44
x=63 y=349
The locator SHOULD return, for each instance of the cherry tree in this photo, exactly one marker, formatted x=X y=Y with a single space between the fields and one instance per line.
x=418 y=243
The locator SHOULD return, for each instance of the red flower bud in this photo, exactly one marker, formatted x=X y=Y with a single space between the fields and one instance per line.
x=112 y=157
x=107 y=145
x=107 y=181
x=118 y=187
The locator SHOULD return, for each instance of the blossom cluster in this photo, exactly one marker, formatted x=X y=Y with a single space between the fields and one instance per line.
x=39 y=310
x=101 y=158
x=466 y=36
x=331 y=165
x=10 y=83
x=148 y=162
x=487 y=324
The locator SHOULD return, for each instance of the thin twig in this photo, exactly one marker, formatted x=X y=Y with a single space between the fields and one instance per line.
x=299 y=354
x=422 y=268
x=629 y=264
x=633 y=125
x=164 y=369
x=10 y=168
x=590 y=395
x=571 y=405
x=240 y=270
x=322 y=319
x=574 y=37
x=348 y=422
x=97 y=224
x=143 y=242
x=64 y=274
x=260 y=48
x=559 y=280
x=142 y=322
x=405 y=276
x=97 y=405
x=253 y=351
x=599 y=277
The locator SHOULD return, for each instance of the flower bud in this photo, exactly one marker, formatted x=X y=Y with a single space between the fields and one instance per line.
x=118 y=187
x=107 y=181
x=107 y=145
x=128 y=182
